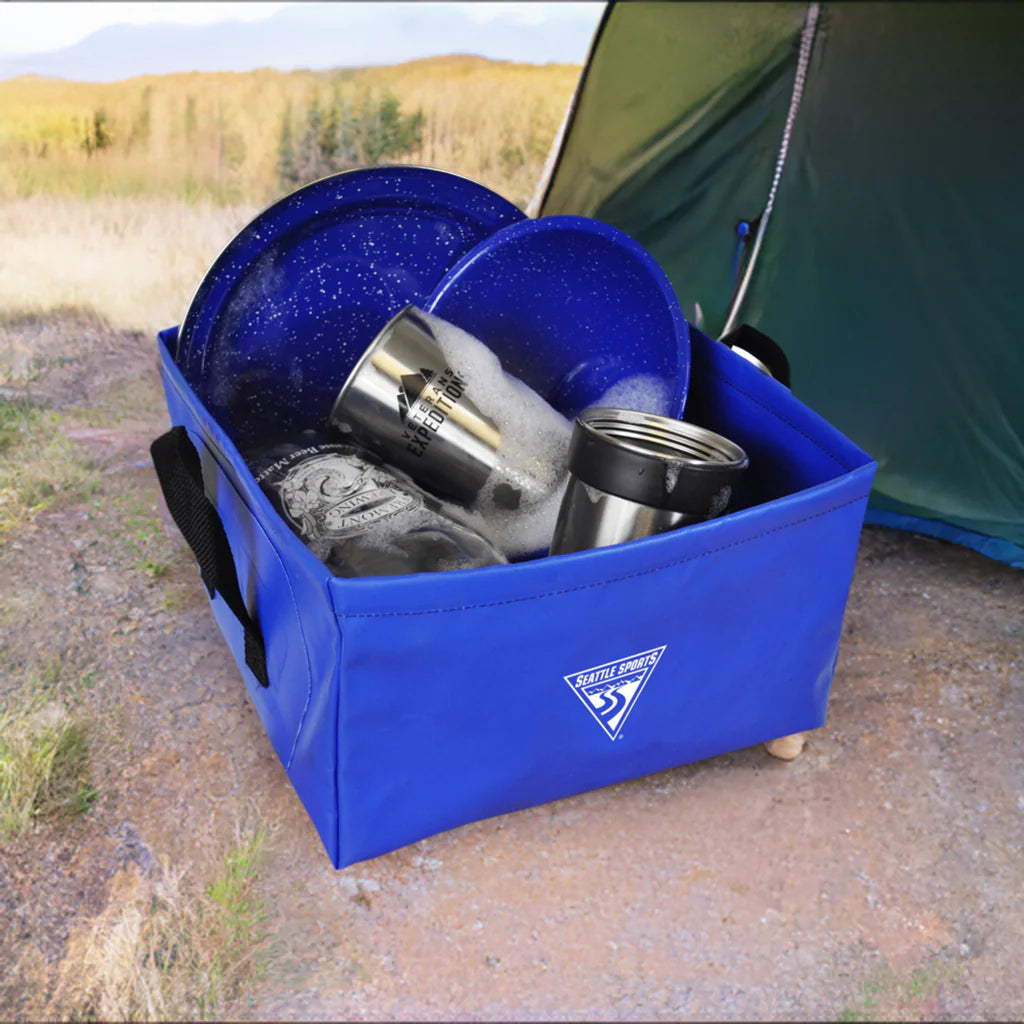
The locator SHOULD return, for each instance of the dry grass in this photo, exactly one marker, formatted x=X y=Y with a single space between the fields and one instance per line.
x=44 y=758
x=134 y=261
x=169 y=949
x=129 y=232
x=492 y=121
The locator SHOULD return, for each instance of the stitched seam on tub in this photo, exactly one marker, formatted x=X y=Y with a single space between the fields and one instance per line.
x=209 y=444
x=615 y=579
x=309 y=671
x=782 y=419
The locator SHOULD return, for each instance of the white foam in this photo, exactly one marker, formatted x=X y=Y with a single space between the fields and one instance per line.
x=527 y=530
x=534 y=444
x=643 y=392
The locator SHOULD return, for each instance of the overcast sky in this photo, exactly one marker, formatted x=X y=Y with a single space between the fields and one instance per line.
x=36 y=27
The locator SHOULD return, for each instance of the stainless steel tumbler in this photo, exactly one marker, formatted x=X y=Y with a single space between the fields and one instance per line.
x=633 y=474
x=403 y=401
x=409 y=400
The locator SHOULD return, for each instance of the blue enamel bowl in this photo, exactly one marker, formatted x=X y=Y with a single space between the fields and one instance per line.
x=575 y=308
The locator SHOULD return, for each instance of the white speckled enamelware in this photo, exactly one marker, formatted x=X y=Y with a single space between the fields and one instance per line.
x=573 y=307
x=292 y=302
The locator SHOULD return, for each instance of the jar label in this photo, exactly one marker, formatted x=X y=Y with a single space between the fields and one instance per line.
x=329 y=497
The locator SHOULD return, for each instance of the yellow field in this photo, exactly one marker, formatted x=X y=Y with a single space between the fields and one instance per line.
x=129 y=230
x=133 y=260
x=216 y=135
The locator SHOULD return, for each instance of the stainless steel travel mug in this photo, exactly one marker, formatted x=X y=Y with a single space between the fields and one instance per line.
x=633 y=474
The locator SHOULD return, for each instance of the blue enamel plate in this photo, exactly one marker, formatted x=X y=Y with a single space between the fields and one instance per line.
x=291 y=304
x=577 y=310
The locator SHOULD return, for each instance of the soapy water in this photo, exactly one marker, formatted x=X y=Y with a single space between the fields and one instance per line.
x=643 y=392
x=533 y=456
x=535 y=439
x=532 y=461
x=390 y=531
x=513 y=534
x=527 y=532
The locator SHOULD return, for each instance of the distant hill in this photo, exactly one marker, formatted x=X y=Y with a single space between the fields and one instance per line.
x=315 y=36
x=219 y=135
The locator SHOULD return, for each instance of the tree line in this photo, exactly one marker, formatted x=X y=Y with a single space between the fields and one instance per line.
x=347 y=132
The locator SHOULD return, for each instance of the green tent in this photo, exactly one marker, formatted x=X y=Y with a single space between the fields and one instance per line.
x=848 y=178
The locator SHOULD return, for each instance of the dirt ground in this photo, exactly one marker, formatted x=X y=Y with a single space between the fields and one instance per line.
x=879 y=875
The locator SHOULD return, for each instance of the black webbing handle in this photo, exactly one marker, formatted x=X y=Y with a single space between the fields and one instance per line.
x=181 y=479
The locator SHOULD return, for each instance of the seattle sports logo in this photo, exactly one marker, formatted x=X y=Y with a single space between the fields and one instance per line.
x=610 y=691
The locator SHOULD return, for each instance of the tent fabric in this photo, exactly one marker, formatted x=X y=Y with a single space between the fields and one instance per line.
x=889 y=267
